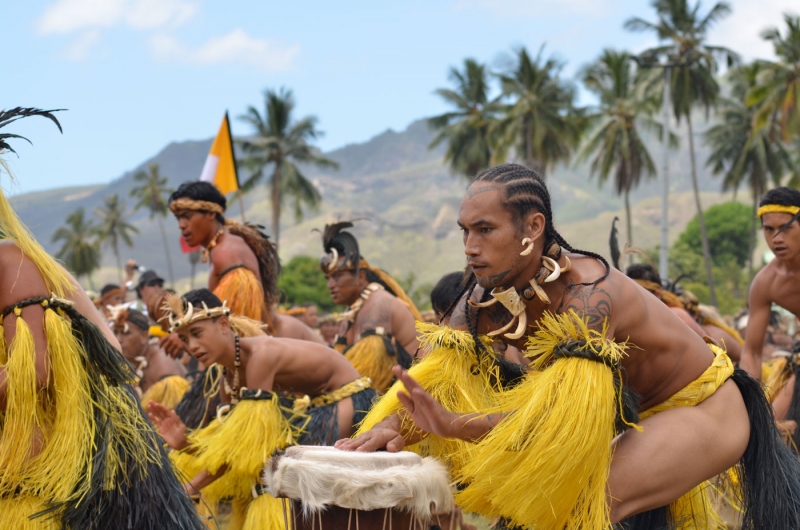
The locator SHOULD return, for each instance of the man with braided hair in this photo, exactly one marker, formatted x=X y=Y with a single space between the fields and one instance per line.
x=623 y=415
x=244 y=263
x=377 y=331
x=777 y=283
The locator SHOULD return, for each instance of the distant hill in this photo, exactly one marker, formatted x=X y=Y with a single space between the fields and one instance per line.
x=405 y=194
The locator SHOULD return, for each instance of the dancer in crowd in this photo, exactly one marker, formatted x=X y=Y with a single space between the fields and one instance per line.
x=779 y=211
x=276 y=391
x=377 y=331
x=244 y=263
x=161 y=378
x=622 y=416
x=76 y=450
x=702 y=320
x=111 y=295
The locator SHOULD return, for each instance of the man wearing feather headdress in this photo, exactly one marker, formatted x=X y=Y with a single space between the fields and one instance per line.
x=275 y=392
x=377 y=331
x=623 y=414
x=244 y=262
x=161 y=378
x=76 y=450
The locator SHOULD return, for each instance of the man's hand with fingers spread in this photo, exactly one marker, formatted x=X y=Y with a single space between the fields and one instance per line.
x=428 y=414
x=168 y=425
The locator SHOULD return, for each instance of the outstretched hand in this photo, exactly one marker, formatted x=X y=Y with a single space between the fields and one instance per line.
x=168 y=424
x=428 y=414
x=172 y=345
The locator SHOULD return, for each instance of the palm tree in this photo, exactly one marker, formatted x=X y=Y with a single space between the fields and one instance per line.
x=466 y=128
x=742 y=152
x=540 y=121
x=693 y=65
x=152 y=193
x=281 y=143
x=114 y=227
x=615 y=143
x=80 y=252
x=777 y=95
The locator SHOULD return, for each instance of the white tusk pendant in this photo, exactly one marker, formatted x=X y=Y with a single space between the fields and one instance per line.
x=521 y=326
x=553 y=265
x=527 y=241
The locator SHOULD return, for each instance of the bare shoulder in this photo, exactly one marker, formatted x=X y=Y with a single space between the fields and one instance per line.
x=463 y=312
x=592 y=302
x=231 y=250
x=761 y=287
x=376 y=312
x=291 y=328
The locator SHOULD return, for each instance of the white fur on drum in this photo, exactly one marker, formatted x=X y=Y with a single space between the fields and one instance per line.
x=325 y=476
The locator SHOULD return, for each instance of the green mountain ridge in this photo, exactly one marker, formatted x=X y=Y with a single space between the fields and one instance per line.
x=404 y=193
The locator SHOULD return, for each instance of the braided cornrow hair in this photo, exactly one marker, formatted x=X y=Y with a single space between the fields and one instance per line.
x=526 y=191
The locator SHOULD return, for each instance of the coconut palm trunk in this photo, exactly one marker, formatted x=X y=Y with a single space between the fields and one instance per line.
x=628 y=223
x=751 y=247
x=119 y=263
x=703 y=234
x=166 y=252
x=276 y=204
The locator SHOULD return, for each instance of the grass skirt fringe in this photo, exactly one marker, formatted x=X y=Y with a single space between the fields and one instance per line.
x=243 y=292
x=168 y=392
x=546 y=464
x=84 y=447
x=370 y=358
x=455 y=376
x=15 y=514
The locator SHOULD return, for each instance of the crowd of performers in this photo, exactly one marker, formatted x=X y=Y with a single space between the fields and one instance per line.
x=559 y=391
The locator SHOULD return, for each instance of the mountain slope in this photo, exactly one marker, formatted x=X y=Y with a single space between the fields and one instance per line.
x=404 y=193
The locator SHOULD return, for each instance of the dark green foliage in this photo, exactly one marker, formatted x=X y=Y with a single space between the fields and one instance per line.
x=302 y=281
x=728 y=227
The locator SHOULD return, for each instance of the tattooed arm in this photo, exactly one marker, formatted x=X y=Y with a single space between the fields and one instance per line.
x=589 y=301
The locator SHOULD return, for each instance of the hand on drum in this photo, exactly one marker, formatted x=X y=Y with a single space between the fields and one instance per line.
x=427 y=413
x=168 y=424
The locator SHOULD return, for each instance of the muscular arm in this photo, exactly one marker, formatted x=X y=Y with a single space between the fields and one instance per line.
x=21 y=279
x=757 y=323
x=403 y=327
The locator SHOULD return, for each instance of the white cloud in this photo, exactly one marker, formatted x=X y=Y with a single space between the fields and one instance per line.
x=68 y=16
x=532 y=8
x=78 y=49
x=741 y=30
x=235 y=47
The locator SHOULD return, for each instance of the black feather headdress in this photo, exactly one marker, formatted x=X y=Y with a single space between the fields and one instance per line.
x=339 y=244
x=12 y=115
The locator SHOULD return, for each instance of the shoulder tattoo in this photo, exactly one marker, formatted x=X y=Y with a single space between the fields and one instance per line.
x=588 y=301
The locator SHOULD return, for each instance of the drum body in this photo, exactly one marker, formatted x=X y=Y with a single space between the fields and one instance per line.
x=325 y=488
x=337 y=518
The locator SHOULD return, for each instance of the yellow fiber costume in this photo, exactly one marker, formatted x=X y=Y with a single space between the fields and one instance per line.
x=78 y=453
x=546 y=464
x=169 y=392
x=243 y=292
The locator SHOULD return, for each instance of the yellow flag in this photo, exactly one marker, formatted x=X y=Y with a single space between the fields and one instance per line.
x=220 y=166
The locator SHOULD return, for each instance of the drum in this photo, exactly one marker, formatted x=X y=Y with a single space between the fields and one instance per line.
x=327 y=489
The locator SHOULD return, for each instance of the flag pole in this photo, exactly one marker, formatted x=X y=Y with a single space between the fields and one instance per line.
x=235 y=169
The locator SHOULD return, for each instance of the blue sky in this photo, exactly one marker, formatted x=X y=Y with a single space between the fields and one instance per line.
x=138 y=74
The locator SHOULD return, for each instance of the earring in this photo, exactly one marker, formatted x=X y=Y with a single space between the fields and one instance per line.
x=529 y=242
